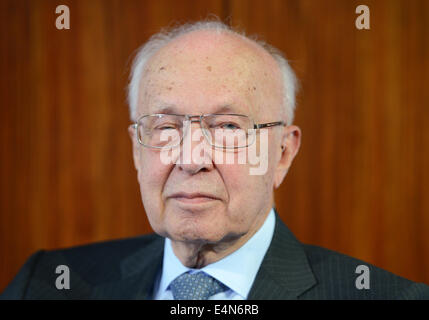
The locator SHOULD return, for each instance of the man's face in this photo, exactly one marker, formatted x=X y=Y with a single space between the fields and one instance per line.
x=203 y=73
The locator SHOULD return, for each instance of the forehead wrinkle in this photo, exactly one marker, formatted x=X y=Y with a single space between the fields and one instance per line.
x=233 y=60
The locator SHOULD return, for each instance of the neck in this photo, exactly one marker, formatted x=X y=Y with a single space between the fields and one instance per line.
x=198 y=254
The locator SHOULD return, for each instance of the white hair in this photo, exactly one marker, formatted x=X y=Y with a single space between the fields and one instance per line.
x=159 y=40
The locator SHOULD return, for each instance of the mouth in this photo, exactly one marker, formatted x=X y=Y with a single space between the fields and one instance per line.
x=193 y=197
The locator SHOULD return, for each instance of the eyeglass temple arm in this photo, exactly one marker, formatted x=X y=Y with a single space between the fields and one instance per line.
x=269 y=124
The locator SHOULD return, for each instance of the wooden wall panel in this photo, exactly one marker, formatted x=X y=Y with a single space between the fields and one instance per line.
x=359 y=184
x=67 y=176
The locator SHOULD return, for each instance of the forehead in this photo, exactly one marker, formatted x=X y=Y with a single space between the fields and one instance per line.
x=203 y=71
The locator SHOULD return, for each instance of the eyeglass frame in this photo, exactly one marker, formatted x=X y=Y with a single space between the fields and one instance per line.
x=188 y=117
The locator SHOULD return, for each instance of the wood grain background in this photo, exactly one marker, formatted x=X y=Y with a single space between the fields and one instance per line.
x=360 y=184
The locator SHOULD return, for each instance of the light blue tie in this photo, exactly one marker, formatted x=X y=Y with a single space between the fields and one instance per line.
x=197 y=286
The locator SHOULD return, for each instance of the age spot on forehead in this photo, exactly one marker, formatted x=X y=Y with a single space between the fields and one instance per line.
x=209 y=68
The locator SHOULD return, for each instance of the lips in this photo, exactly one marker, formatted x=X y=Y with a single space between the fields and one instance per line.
x=195 y=197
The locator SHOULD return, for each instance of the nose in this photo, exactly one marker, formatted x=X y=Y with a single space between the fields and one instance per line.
x=195 y=151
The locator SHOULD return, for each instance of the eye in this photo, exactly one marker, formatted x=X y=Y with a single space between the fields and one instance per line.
x=166 y=127
x=228 y=126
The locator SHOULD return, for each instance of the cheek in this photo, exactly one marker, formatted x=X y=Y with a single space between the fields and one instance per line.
x=243 y=181
x=152 y=175
x=235 y=177
x=150 y=168
x=244 y=190
x=248 y=194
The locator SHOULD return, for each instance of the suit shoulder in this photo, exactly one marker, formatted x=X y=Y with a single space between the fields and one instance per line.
x=320 y=258
x=338 y=275
x=89 y=265
x=89 y=259
x=117 y=247
x=17 y=287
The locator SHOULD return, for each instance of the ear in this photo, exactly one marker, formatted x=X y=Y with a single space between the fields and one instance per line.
x=136 y=146
x=290 y=143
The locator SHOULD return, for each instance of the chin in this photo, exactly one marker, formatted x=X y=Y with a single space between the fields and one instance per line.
x=197 y=234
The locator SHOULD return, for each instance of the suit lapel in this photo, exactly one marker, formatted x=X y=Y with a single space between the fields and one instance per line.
x=285 y=272
x=138 y=274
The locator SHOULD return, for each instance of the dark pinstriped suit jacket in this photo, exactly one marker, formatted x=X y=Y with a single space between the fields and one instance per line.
x=126 y=269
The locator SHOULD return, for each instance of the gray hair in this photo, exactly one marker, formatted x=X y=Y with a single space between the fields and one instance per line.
x=159 y=40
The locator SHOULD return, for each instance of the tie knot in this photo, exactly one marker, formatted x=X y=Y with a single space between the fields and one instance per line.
x=197 y=286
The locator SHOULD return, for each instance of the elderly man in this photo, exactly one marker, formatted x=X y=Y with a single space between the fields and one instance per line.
x=217 y=233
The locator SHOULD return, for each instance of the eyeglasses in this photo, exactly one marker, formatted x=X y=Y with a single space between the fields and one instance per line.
x=226 y=131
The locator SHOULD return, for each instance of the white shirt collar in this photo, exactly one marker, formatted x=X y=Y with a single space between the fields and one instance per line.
x=237 y=270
